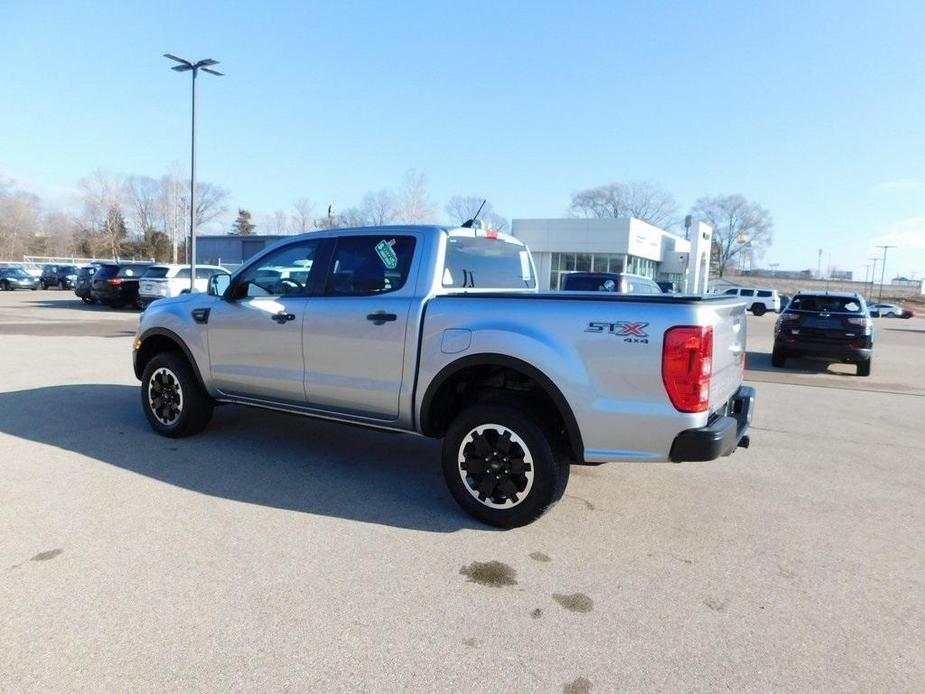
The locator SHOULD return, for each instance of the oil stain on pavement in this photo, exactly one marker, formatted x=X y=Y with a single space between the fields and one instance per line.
x=581 y=685
x=490 y=573
x=540 y=556
x=574 y=602
x=48 y=554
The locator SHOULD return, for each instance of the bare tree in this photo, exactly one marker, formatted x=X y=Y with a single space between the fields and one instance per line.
x=415 y=205
x=639 y=199
x=304 y=218
x=462 y=208
x=278 y=223
x=380 y=207
x=20 y=214
x=739 y=226
x=210 y=201
x=143 y=194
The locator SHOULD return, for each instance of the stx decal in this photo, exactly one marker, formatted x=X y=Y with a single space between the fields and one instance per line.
x=620 y=328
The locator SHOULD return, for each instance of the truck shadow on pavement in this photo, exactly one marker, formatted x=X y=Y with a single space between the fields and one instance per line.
x=249 y=455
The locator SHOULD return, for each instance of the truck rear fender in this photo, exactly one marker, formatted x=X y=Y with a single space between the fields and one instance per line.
x=498 y=378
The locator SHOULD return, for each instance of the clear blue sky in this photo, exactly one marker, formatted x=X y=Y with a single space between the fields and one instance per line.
x=815 y=110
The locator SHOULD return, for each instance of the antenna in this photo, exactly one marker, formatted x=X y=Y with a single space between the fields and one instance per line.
x=469 y=223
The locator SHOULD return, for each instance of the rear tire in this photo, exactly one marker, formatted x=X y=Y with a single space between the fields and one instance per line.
x=171 y=397
x=500 y=466
x=758 y=309
x=864 y=367
x=778 y=359
x=87 y=300
x=5 y=286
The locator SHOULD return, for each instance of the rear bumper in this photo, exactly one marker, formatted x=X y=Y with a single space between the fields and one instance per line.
x=827 y=350
x=720 y=437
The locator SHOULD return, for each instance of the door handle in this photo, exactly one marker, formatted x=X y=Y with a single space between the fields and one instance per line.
x=381 y=317
x=282 y=317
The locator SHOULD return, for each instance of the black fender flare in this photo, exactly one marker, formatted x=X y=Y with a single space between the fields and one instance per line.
x=491 y=359
x=173 y=337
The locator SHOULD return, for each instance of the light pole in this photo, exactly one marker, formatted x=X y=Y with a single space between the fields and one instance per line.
x=883 y=271
x=186 y=66
x=873 y=276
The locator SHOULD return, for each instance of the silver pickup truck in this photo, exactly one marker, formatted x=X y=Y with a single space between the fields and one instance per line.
x=441 y=332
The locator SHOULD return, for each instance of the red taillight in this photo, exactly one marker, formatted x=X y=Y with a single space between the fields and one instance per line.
x=115 y=282
x=687 y=365
x=491 y=234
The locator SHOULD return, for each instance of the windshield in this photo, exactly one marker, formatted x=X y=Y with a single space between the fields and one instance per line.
x=830 y=304
x=482 y=262
x=15 y=272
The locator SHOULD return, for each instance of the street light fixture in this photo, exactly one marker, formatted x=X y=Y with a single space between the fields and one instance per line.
x=187 y=66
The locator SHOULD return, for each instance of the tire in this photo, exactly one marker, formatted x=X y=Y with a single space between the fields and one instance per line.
x=87 y=300
x=42 y=283
x=188 y=408
x=510 y=500
x=5 y=286
x=778 y=359
x=891 y=314
x=62 y=285
x=758 y=309
x=864 y=367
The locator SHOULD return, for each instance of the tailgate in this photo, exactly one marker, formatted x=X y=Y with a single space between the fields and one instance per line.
x=152 y=287
x=729 y=328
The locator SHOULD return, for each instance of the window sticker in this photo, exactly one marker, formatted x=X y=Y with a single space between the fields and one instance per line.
x=387 y=254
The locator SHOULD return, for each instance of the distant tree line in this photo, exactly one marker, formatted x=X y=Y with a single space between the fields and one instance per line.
x=148 y=217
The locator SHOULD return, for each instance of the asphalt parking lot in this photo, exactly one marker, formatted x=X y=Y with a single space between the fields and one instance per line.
x=279 y=553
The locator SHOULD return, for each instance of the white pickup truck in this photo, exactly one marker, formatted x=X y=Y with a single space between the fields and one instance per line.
x=441 y=332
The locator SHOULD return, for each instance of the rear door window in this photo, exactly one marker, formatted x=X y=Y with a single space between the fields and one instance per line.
x=747 y=292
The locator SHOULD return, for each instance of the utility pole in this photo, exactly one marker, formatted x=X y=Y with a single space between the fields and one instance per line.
x=187 y=66
x=883 y=270
x=873 y=275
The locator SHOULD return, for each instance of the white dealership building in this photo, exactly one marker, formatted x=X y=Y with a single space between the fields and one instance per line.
x=617 y=245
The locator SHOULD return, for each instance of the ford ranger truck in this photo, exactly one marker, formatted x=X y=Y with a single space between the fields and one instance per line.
x=441 y=332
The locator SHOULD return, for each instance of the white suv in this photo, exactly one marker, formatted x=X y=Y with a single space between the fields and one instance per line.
x=161 y=281
x=758 y=301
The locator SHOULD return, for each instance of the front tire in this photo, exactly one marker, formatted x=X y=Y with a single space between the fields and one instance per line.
x=864 y=367
x=171 y=397
x=500 y=466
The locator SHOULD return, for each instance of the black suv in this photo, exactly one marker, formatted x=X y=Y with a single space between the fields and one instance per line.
x=619 y=282
x=83 y=285
x=833 y=326
x=116 y=284
x=61 y=276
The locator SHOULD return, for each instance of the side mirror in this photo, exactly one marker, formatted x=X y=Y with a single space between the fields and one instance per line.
x=875 y=314
x=218 y=283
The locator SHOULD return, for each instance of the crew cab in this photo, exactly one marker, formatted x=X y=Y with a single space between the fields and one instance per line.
x=441 y=332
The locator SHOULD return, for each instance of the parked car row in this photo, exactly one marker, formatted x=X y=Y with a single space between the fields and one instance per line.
x=119 y=284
